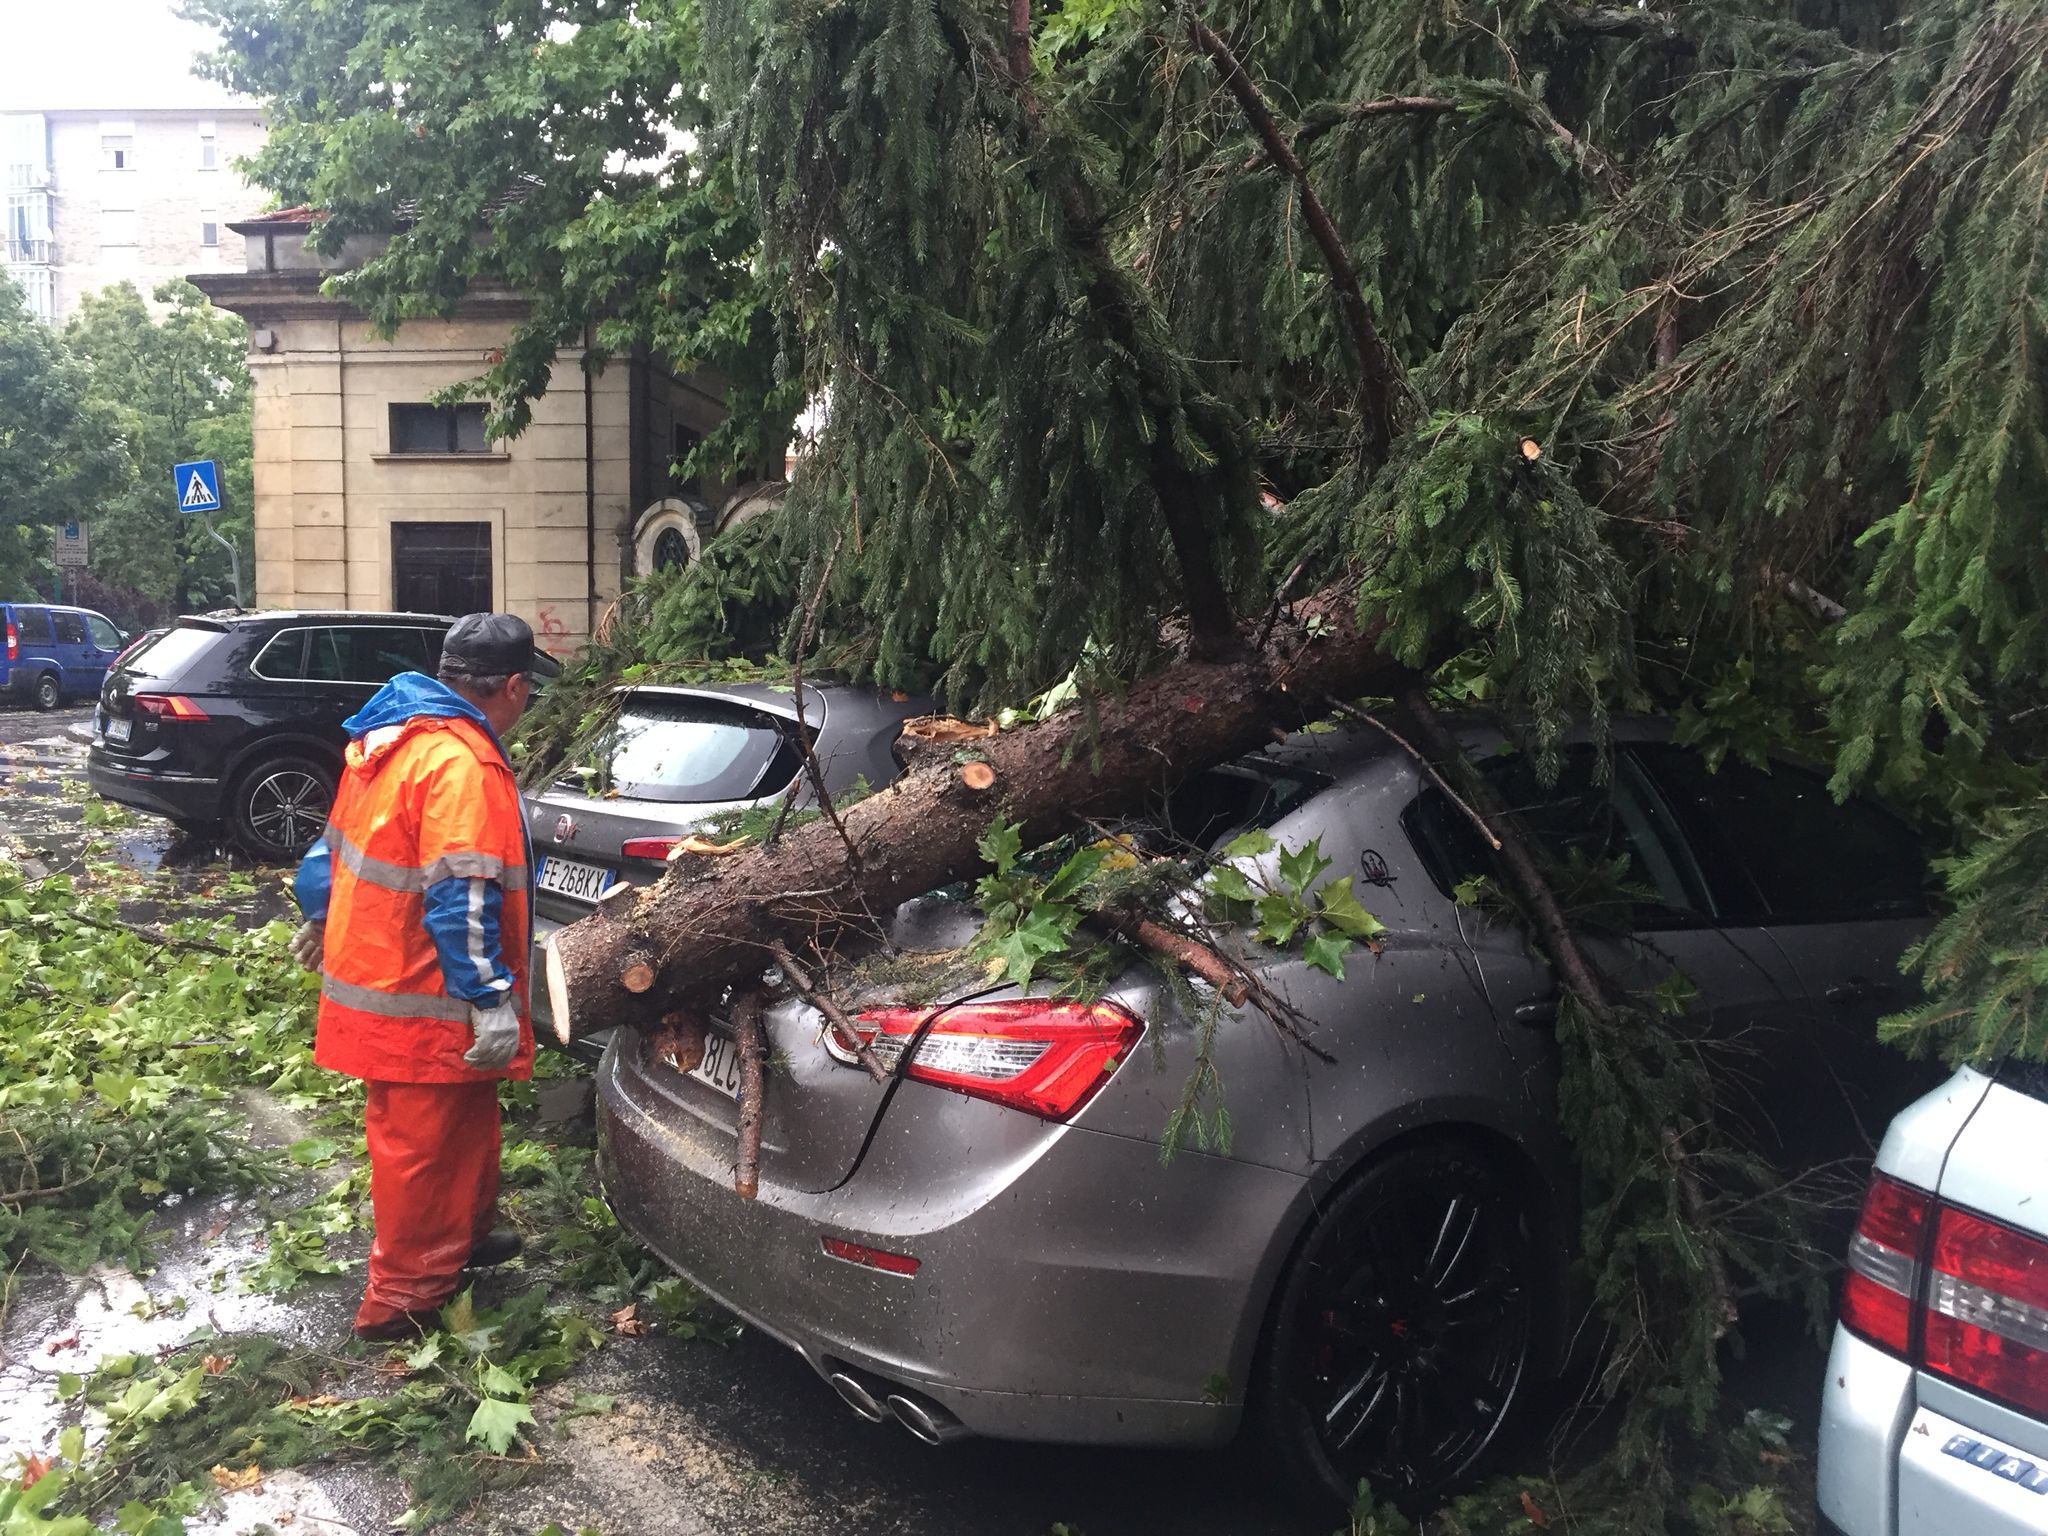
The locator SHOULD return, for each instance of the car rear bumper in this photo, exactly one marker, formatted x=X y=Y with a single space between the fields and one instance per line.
x=1081 y=1292
x=1864 y=1411
x=180 y=796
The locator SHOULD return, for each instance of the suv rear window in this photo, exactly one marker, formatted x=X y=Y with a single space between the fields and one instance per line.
x=170 y=653
x=676 y=750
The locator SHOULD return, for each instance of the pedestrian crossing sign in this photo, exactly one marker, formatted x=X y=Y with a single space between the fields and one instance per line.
x=197 y=485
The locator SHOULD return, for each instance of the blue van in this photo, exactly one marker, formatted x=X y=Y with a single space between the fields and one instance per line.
x=53 y=653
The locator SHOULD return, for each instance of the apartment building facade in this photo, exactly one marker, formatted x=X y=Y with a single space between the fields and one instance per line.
x=370 y=494
x=140 y=194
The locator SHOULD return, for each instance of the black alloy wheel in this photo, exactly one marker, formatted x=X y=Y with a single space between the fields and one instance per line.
x=49 y=692
x=280 y=806
x=1400 y=1351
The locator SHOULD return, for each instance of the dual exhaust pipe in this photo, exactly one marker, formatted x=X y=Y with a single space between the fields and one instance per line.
x=926 y=1421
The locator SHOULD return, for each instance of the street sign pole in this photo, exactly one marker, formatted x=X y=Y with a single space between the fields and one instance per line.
x=196 y=487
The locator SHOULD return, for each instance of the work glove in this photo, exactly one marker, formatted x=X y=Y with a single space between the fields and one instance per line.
x=309 y=945
x=497 y=1036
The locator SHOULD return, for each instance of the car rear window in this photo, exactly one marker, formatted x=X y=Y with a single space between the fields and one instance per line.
x=679 y=749
x=170 y=652
x=33 y=626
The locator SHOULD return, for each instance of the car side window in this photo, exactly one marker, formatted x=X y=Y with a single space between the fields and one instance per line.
x=367 y=655
x=70 y=628
x=33 y=625
x=103 y=633
x=1777 y=847
x=1622 y=825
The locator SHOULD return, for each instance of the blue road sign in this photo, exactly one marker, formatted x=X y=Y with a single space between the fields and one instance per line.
x=197 y=486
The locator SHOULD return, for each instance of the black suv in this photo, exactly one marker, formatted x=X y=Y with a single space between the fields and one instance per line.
x=237 y=719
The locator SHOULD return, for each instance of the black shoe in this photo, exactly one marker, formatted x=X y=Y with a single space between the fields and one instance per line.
x=403 y=1328
x=495 y=1248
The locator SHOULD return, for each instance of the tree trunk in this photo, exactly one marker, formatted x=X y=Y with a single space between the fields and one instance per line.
x=711 y=922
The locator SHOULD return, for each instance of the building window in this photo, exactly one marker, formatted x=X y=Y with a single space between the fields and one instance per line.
x=683 y=442
x=118 y=233
x=209 y=233
x=441 y=568
x=209 y=151
x=117 y=152
x=438 y=429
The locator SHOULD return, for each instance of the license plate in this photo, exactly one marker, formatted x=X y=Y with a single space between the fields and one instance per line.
x=721 y=1064
x=117 y=730
x=573 y=877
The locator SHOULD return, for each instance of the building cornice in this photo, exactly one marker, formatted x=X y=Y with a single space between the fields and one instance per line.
x=298 y=295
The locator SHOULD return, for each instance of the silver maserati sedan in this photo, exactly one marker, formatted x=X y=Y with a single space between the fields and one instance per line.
x=1369 y=1271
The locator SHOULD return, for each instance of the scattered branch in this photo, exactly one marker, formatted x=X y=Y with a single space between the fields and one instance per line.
x=835 y=1017
x=746 y=1026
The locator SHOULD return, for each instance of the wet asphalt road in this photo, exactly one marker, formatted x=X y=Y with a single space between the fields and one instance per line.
x=706 y=1439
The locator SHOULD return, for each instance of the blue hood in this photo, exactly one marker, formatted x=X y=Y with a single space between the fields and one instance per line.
x=408 y=696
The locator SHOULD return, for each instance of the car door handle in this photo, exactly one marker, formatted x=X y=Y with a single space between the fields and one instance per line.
x=1849 y=993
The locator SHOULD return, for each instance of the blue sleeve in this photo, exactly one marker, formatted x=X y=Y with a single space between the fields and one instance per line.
x=314 y=880
x=462 y=918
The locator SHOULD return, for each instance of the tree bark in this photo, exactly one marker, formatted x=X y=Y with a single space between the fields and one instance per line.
x=712 y=922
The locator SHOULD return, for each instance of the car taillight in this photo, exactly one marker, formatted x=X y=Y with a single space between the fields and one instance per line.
x=1044 y=1057
x=167 y=706
x=656 y=848
x=13 y=643
x=1884 y=1256
x=1987 y=1309
x=1977 y=1289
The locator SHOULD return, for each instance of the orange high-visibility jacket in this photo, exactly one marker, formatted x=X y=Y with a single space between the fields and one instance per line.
x=425 y=868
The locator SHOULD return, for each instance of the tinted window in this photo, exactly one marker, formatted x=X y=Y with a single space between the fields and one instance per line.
x=33 y=625
x=438 y=429
x=283 y=657
x=103 y=633
x=362 y=655
x=168 y=655
x=690 y=749
x=70 y=628
x=1777 y=846
x=1622 y=825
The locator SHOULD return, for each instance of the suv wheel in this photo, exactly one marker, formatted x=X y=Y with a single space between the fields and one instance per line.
x=1399 y=1348
x=279 y=806
x=48 y=691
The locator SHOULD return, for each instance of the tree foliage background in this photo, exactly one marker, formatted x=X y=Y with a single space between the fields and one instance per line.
x=1682 y=356
x=96 y=416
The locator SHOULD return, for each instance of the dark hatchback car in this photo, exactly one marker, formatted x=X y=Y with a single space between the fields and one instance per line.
x=676 y=757
x=236 y=719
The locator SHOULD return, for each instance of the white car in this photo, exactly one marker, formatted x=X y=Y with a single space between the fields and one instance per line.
x=1934 y=1420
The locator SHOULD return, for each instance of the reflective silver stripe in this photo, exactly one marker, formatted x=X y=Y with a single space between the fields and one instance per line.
x=394 y=1005
x=449 y=866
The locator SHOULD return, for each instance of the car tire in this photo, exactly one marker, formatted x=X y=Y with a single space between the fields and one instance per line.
x=48 y=691
x=279 y=805
x=1400 y=1348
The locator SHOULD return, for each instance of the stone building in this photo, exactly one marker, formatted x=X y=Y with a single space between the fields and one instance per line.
x=370 y=496
x=101 y=195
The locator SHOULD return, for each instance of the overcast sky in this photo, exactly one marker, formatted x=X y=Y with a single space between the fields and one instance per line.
x=100 y=53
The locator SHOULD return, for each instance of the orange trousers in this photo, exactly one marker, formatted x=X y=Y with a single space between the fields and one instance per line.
x=433 y=1190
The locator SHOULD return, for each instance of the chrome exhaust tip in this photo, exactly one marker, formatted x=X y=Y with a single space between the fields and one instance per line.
x=858 y=1397
x=932 y=1425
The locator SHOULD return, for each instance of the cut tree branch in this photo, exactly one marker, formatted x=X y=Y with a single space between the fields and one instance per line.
x=835 y=1017
x=746 y=1028
x=711 y=922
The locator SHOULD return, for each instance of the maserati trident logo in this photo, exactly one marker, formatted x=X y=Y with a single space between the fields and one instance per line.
x=565 y=829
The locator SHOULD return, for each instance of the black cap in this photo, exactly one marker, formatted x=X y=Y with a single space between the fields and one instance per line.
x=494 y=645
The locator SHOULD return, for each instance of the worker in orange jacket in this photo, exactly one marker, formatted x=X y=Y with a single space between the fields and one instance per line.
x=417 y=903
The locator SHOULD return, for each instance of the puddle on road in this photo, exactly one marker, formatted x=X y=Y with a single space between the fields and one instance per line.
x=44 y=827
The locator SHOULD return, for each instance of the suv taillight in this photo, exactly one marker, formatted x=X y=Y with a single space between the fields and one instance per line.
x=1987 y=1309
x=13 y=643
x=1044 y=1057
x=167 y=706
x=1978 y=1290
x=1884 y=1258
